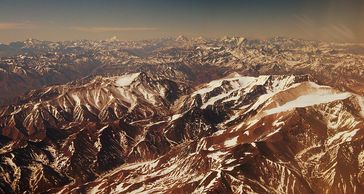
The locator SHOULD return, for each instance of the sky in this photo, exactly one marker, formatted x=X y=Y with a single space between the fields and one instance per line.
x=329 y=20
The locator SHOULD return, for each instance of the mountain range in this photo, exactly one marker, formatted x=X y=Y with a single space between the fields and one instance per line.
x=182 y=115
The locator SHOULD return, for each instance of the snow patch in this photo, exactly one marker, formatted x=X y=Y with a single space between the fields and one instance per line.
x=212 y=100
x=71 y=148
x=344 y=136
x=309 y=100
x=262 y=99
x=237 y=82
x=361 y=159
x=232 y=118
x=218 y=155
x=361 y=104
x=76 y=99
x=176 y=116
x=272 y=133
x=231 y=142
x=126 y=80
x=278 y=123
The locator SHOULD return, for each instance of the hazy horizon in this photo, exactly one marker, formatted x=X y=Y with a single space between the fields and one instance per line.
x=328 y=20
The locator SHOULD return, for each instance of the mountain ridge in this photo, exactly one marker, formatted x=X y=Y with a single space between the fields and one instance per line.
x=260 y=131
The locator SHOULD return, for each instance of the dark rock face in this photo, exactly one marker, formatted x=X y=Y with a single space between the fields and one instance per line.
x=179 y=127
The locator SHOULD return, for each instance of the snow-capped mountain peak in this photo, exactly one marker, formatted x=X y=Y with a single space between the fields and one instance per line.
x=182 y=38
x=126 y=80
x=113 y=39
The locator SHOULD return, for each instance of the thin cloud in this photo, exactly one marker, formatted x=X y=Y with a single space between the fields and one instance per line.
x=15 y=25
x=325 y=30
x=113 y=29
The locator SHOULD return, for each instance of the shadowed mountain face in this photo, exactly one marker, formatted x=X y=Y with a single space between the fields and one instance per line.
x=186 y=116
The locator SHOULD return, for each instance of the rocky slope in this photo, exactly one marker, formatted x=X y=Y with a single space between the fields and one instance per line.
x=160 y=131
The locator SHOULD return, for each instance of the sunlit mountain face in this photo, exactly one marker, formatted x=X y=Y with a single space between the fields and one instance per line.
x=169 y=97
